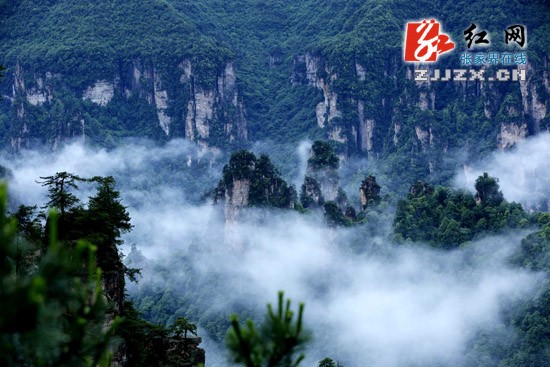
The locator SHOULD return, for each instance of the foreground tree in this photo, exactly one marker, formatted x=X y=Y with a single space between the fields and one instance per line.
x=328 y=362
x=64 y=201
x=56 y=314
x=276 y=343
x=183 y=326
x=59 y=191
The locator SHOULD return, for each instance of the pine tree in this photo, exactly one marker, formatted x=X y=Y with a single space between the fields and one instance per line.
x=105 y=220
x=54 y=315
x=275 y=343
x=59 y=187
x=65 y=202
x=183 y=326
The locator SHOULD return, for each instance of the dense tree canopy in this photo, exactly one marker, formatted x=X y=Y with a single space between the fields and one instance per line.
x=446 y=218
x=276 y=343
x=53 y=312
x=267 y=187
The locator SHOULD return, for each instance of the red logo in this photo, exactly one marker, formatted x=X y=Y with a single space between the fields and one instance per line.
x=424 y=42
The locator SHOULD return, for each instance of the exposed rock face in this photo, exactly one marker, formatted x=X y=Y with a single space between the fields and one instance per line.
x=201 y=109
x=321 y=183
x=369 y=192
x=510 y=134
x=113 y=284
x=36 y=98
x=100 y=93
x=327 y=110
x=328 y=182
x=311 y=193
x=361 y=72
x=426 y=101
x=249 y=181
x=199 y=114
x=212 y=103
x=161 y=103
x=363 y=122
x=185 y=352
x=425 y=137
x=366 y=129
x=33 y=91
x=236 y=198
x=39 y=95
x=532 y=105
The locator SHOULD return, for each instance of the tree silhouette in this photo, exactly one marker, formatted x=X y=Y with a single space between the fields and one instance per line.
x=59 y=187
x=182 y=325
x=54 y=314
x=487 y=190
x=274 y=344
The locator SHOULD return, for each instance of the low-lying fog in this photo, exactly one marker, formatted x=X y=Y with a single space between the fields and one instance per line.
x=385 y=307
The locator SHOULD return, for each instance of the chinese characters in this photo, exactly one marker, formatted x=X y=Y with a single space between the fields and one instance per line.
x=480 y=37
x=514 y=33
x=493 y=58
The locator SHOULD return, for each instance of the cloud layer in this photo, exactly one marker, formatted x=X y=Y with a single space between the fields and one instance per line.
x=385 y=307
x=523 y=172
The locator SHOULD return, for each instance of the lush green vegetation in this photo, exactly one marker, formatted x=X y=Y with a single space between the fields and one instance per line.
x=100 y=40
x=50 y=280
x=53 y=310
x=64 y=294
x=529 y=320
x=267 y=188
x=447 y=218
x=322 y=156
x=277 y=342
x=94 y=38
x=97 y=40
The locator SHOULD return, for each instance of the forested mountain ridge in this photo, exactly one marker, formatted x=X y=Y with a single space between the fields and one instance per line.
x=224 y=74
x=445 y=276
x=112 y=69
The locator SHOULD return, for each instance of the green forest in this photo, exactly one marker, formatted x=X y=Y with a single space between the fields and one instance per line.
x=266 y=41
x=63 y=278
x=262 y=183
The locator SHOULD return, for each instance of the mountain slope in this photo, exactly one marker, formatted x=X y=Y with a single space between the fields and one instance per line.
x=226 y=74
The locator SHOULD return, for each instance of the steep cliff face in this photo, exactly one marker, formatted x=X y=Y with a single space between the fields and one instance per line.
x=185 y=352
x=374 y=124
x=321 y=183
x=206 y=105
x=319 y=75
x=235 y=199
x=312 y=70
x=369 y=192
x=165 y=69
x=47 y=107
x=249 y=181
x=534 y=95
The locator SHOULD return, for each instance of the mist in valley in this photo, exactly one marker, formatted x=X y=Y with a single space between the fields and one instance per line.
x=368 y=301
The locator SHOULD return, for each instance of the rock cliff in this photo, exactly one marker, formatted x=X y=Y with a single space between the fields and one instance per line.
x=362 y=121
x=177 y=101
x=321 y=183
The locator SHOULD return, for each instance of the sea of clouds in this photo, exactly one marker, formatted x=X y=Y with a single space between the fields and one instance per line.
x=388 y=306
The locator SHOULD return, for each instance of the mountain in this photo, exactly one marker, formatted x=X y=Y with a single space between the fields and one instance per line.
x=112 y=69
x=227 y=75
